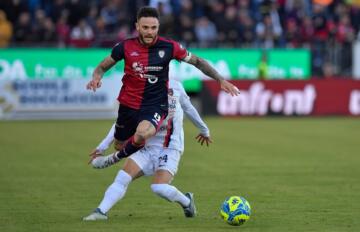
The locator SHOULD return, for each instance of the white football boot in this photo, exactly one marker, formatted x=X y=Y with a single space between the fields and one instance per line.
x=104 y=161
x=96 y=215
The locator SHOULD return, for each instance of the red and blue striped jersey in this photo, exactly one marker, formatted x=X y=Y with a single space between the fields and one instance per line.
x=146 y=71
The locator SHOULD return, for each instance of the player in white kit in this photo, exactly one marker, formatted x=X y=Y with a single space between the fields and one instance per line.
x=160 y=157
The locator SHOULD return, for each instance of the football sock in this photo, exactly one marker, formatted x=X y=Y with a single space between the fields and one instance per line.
x=115 y=191
x=170 y=193
x=129 y=148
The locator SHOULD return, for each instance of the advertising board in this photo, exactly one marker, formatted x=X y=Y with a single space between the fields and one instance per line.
x=302 y=98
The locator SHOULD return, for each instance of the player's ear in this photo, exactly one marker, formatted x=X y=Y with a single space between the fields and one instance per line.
x=137 y=26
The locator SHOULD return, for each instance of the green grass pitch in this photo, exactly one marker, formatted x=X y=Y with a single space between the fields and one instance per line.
x=299 y=174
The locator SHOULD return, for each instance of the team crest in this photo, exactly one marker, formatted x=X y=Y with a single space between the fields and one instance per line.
x=161 y=53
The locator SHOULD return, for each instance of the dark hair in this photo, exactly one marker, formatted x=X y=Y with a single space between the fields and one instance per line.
x=147 y=11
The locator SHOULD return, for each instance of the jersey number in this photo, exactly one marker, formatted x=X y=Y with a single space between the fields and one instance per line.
x=163 y=158
x=157 y=117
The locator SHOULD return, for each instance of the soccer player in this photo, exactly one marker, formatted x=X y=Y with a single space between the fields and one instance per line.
x=144 y=95
x=159 y=157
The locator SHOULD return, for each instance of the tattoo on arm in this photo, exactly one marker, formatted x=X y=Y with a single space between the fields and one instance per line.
x=104 y=65
x=205 y=67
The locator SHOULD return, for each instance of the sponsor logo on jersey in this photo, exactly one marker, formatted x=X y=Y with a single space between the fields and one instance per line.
x=140 y=69
x=153 y=68
x=152 y=79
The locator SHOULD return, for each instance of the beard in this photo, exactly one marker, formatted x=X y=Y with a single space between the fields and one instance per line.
x=146 y=38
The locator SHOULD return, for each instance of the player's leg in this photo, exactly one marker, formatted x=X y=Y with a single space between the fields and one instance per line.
x=167 y=165
x=144 y=130
x=161 y=186
x=137 y=165
x=125 y=127
x=118 y=145
x=116 y=190
x=149 y=120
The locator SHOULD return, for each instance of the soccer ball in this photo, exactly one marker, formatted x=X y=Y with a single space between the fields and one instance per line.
x=235 y=210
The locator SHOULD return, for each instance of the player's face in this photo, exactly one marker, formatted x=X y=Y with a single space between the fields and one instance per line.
x=148 y=28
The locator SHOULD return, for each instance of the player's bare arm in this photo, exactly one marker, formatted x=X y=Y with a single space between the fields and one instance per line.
x=206 y=68
x=99 y=72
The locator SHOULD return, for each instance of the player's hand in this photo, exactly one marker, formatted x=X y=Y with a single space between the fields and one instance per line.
x=229 y=88
x=94 y=84
x=203 y=139
x=95 y=153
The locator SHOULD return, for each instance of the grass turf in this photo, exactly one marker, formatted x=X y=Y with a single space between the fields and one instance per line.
x=299 y=174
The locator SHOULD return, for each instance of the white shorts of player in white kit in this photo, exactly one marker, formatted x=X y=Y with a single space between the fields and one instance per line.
x=153 y=158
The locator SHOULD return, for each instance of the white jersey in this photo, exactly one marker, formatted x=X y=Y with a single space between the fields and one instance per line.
x=170 y=133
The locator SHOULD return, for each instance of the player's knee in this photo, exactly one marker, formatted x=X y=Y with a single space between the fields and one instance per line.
x=140 y=137
x=143 y=132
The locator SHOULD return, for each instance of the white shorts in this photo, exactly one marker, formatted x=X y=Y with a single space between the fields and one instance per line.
x=153 y=158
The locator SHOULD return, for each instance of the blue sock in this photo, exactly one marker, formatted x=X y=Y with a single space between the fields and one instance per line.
x=99 y=211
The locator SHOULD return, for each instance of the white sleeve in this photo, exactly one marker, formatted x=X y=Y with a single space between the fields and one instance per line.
x=193 y=114
x=105 y=144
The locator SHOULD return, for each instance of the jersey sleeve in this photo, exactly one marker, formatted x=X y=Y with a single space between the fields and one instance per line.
x=117 y=52
x=192 y=113
x=106 y=142
x=180 y=53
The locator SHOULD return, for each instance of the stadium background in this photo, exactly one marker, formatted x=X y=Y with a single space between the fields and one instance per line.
x=295 y=158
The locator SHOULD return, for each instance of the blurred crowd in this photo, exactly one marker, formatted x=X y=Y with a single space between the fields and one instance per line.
x=313 y=24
